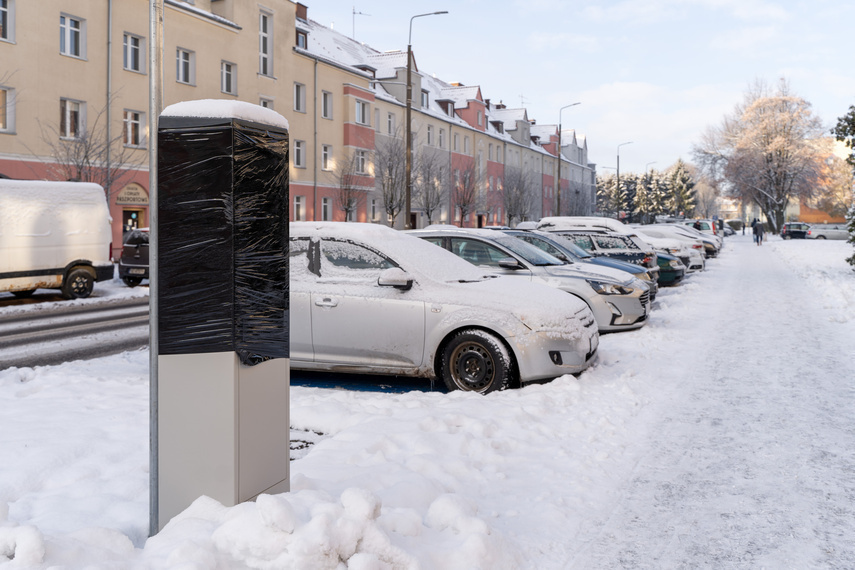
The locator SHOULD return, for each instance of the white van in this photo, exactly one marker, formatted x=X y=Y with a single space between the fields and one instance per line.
x=53 y=235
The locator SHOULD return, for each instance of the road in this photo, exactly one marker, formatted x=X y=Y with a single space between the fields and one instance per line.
x=62 y=334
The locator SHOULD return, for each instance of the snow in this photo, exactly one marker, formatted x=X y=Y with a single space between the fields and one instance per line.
x=719 y=435
x=226 y=109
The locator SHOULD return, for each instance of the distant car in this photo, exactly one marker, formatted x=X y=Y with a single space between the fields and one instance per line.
x=689 y=250
x=705 y=226
x=615 y=246
x=365 y=298
x=828 y=231
x=795 y=230
x=564 y=249
x=619 y=303
x=133 y=264
x=712 y=243
x=671 y=269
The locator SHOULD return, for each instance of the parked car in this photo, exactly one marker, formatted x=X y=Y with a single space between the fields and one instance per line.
x=828 y=231
x=671 y=269
x=133 y=264
x=565 y=250
x=365 y=298
x=615 y=246
x=689 y=250
x=712 y=244
x=617 y=303
x=557 y=223
x=705 y=226
x=795 y=230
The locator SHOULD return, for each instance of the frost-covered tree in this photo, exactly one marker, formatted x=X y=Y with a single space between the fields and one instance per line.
x=518 y=197
x=850 y=218
x=764 y=151
x=351 y=189
x=643 y=204
x=466 y=192
x=607 y=196
x=430 y=187
x=845 y=132
x=681 y=196
x=390 y=174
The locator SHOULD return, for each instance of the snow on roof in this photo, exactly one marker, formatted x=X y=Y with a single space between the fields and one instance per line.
x=226 y=109
x=510 y=117
x=544 y=131
x=461 y=94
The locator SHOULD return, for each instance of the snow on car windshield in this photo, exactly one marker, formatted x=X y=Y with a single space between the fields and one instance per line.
x=527 y=251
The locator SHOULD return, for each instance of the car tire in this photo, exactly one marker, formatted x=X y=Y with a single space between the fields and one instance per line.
x=820 y=237
x=78 y=284
x=132 y=281
x=787 y=236
x=24 y=294
x=476 y=361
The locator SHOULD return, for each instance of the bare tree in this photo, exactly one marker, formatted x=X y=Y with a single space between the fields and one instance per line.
x=764 y=151
x=431 y=184
x=467 y=193
x=350 y=177
x=92 y=155
x=390 y=173
x=518 y=196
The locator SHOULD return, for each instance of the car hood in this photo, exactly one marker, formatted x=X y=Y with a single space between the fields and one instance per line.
x=576 y=272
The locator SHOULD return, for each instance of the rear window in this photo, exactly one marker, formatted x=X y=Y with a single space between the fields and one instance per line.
x=136 y=237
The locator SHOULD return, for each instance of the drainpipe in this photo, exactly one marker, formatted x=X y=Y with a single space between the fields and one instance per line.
x=109 y=94
x=315 y=145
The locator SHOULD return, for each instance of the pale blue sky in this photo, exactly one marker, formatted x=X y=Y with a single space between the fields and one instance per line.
x=654 y=72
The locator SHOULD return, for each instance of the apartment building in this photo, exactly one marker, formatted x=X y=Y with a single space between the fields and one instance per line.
x=74 y=103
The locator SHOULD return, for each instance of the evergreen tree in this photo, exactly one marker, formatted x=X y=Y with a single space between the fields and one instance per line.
x=606 y=194
x=850 y=218
x=682 y=193
x=643 y=203
x=658 y=194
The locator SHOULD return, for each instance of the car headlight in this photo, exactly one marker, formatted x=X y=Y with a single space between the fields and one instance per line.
x=675 y=264
x=604 y=288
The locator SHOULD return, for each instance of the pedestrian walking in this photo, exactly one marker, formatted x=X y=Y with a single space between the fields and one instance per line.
x=759 y=230
x=754 y=229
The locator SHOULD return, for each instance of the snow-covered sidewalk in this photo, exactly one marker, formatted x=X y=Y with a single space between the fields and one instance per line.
x=720 y=435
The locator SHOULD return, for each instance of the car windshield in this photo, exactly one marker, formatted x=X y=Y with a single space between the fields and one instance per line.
x=527 y=251
x=136 y=237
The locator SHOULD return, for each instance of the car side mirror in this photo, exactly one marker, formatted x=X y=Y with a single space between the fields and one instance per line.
x=395 y=277
x=509 y=263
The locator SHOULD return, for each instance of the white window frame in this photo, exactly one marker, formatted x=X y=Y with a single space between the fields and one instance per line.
x=266 y=102
x=363 y=110
x=299 y=154
x=425 y=99
x=480 y=117
x=374 y=209
x=456 y=142
x=299 y=209
x=7 y=109
x=7 y=21
x=133 y=129
x=71 y=109
x=376 y=119
x=265 y=43
x=326 y=209
x=299 y=97
x=68 y=33
x=361 y=161
x=302 y=39
x=133 y=53
x=228 y=77
x=441 y=138
x=390 y=123
x=185 y=66
x=326 y=105
x=466 y=144
x=430 y=135
x=326 y=156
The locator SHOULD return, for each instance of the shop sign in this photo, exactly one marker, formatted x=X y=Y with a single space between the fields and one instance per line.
x=132 y=195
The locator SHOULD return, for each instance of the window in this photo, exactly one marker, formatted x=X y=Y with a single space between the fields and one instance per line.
x=228 y=78
x=7 y=109
x=302 y=39
x=441 y=138
x=326 y=157
x=361 y=161
x=133 y=128
x=185 y=66
x=377 y=119
x=374 y=210
x=299 y=154
x=498 y=154
x=132 y=56
x=265 y=63
x=325 y=209
x=266 y=102
x=490 y=152
x=71 y=36
x=326 y=105
x=430 y=135
x=425 y=99
x=480 y=116
x=299 y=209
x=300 y=97
x=456 y=142
x=390 y=124
x=7 y=20
x=362 y=113
x=466 y=145
x=70 y=118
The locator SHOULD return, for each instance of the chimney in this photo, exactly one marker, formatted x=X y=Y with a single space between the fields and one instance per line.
x=302 y=12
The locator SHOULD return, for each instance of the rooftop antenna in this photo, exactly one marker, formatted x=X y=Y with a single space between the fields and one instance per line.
x=523 y=101
x=355 y=14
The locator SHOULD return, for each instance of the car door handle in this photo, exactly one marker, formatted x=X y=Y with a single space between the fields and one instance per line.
x=326 y=302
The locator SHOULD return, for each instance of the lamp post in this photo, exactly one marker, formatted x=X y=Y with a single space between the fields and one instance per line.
x=617 y=186
x=558 y=202
x=409 y=166
x=647 y=187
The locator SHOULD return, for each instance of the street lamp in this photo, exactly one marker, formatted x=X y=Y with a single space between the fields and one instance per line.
x=409 y=167
x=648 y=164
x=558 y=204
x=617 y=187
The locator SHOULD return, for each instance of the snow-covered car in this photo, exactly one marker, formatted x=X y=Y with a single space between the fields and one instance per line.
x=565 y=250
x=828 y=231
x=690 y=251
x=133 y=263
x=366 y=298
x=618 y=303
x=712 y=244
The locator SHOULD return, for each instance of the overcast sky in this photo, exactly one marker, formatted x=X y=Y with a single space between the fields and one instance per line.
x=654 y=72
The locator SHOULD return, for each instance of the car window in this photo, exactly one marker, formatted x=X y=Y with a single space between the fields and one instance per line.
x=352 y=261
x=136 y=237
x=477 y=252
x=611 y=242
x=527 y=251
x=584 y=242
x=544 y=245
x=298 y=260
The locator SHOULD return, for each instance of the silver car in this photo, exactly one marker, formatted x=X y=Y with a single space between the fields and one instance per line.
x=370 y=299
x=618 y=304
x=828 y=231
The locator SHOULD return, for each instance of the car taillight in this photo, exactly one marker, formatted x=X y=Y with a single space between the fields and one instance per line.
x=808 y=232
x=697 y=246
x=647 y=260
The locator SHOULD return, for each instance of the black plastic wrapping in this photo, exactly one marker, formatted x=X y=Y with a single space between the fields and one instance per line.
x=223 y=238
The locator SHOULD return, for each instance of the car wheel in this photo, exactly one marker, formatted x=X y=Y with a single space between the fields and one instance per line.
x=820 y=237
x=78 y=284
x=24 y=294
x=475 y=361
x=132 y=281
x=787 y=236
